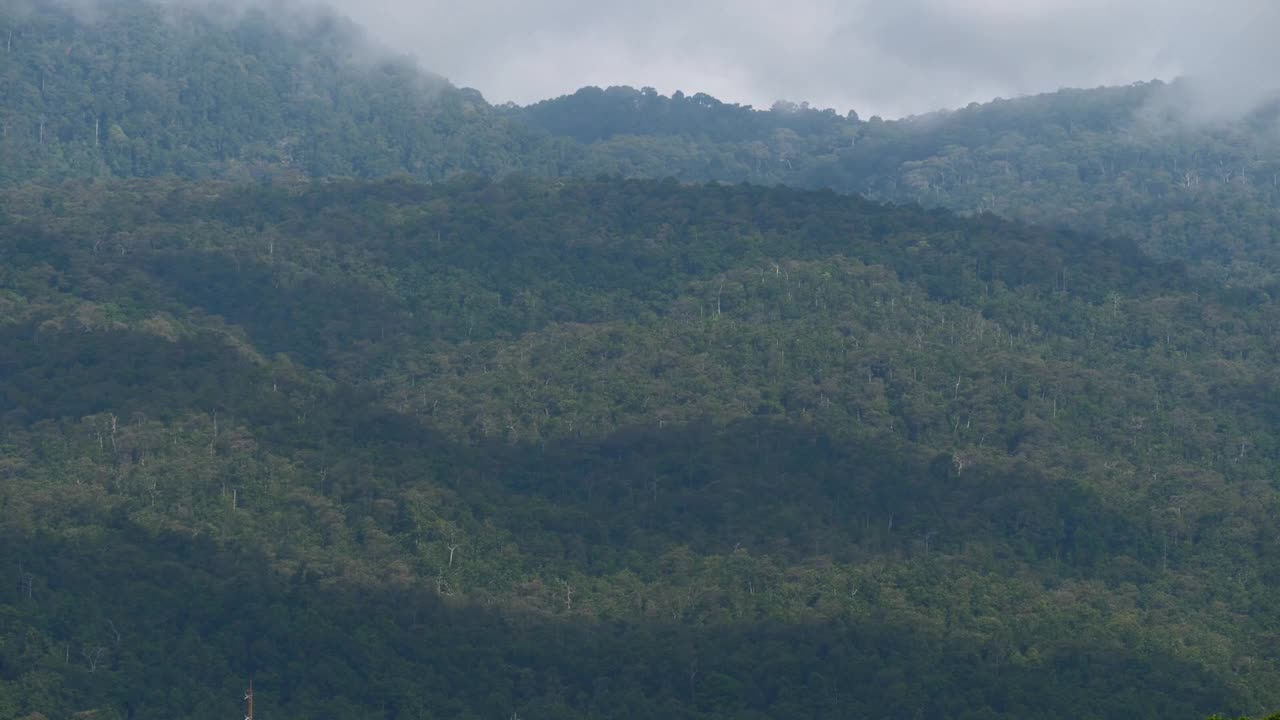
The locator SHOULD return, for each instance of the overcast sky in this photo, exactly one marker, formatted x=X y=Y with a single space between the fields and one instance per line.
x=891 y=57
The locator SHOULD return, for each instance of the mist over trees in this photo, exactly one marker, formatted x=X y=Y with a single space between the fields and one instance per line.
x=319 y=371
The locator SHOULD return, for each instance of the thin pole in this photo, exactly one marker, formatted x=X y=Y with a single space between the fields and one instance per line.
x=249 y=698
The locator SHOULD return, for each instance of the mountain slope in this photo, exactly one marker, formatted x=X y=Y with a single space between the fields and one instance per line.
x=521 y=443
x=140 y=89
x=1120 y=160
x=728 y=444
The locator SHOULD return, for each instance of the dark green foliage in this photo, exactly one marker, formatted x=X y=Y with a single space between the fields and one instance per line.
x=619 y=448
x=215 y=616
x=1126 y=161
x=593 y=114
x=138 y=89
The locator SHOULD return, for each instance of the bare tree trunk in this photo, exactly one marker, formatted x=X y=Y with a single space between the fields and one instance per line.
x=92 y=657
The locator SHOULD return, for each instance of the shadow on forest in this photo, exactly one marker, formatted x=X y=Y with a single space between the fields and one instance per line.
x=184 y=623
x=765 y=484
x=51 y=374
x=778 y=486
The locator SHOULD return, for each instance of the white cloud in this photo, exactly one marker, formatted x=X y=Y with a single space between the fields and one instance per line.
x=891 y=57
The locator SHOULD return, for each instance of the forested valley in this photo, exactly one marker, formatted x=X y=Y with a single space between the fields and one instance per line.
x=319 y=371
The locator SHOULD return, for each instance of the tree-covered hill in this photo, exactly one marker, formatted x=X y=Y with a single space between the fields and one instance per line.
x=139 y=89
x=620 y=449
x=135 y=88
x=489 y=439
x=1126 y=160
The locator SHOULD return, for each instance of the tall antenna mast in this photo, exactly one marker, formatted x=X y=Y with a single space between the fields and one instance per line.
x=248 y=697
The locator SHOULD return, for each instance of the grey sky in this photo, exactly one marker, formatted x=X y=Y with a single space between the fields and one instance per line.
x=876 y=56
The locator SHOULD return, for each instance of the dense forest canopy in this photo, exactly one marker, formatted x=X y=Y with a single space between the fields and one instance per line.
x=134 y=89
x=142 y=90
x=320 y=371
x=983 y=458
x=1128 y=161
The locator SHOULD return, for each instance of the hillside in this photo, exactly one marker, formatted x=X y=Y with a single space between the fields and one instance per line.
x=616 y=449
x=1125 y=161
x=318 y=370
x=138 y=89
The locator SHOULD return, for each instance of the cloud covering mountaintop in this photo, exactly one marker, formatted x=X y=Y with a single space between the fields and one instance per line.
x=904 y=57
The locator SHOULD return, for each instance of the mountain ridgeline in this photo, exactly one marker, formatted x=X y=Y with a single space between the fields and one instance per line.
x=134 y=89
x=1124 y=161
x=322 y=372
x=141 y=90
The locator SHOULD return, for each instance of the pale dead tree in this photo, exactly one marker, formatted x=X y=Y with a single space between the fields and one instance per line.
x=93 y=656
x=115 y=631
x=928 y=540
x=214 y=438
x=568 y=596
x=442 y=585
x=693 y=674
x=452 y=549
x=27 y=581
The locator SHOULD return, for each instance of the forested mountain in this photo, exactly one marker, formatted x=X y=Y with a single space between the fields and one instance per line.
x=620 y=449
x=137 y=89
x=134 y=89
x=1126 y=161
x=320 y=371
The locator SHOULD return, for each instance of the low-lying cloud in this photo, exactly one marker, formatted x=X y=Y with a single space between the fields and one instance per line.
x=883 y=57
x=892 y=58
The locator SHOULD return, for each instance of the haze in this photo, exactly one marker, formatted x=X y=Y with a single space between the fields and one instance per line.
x=890 y=58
